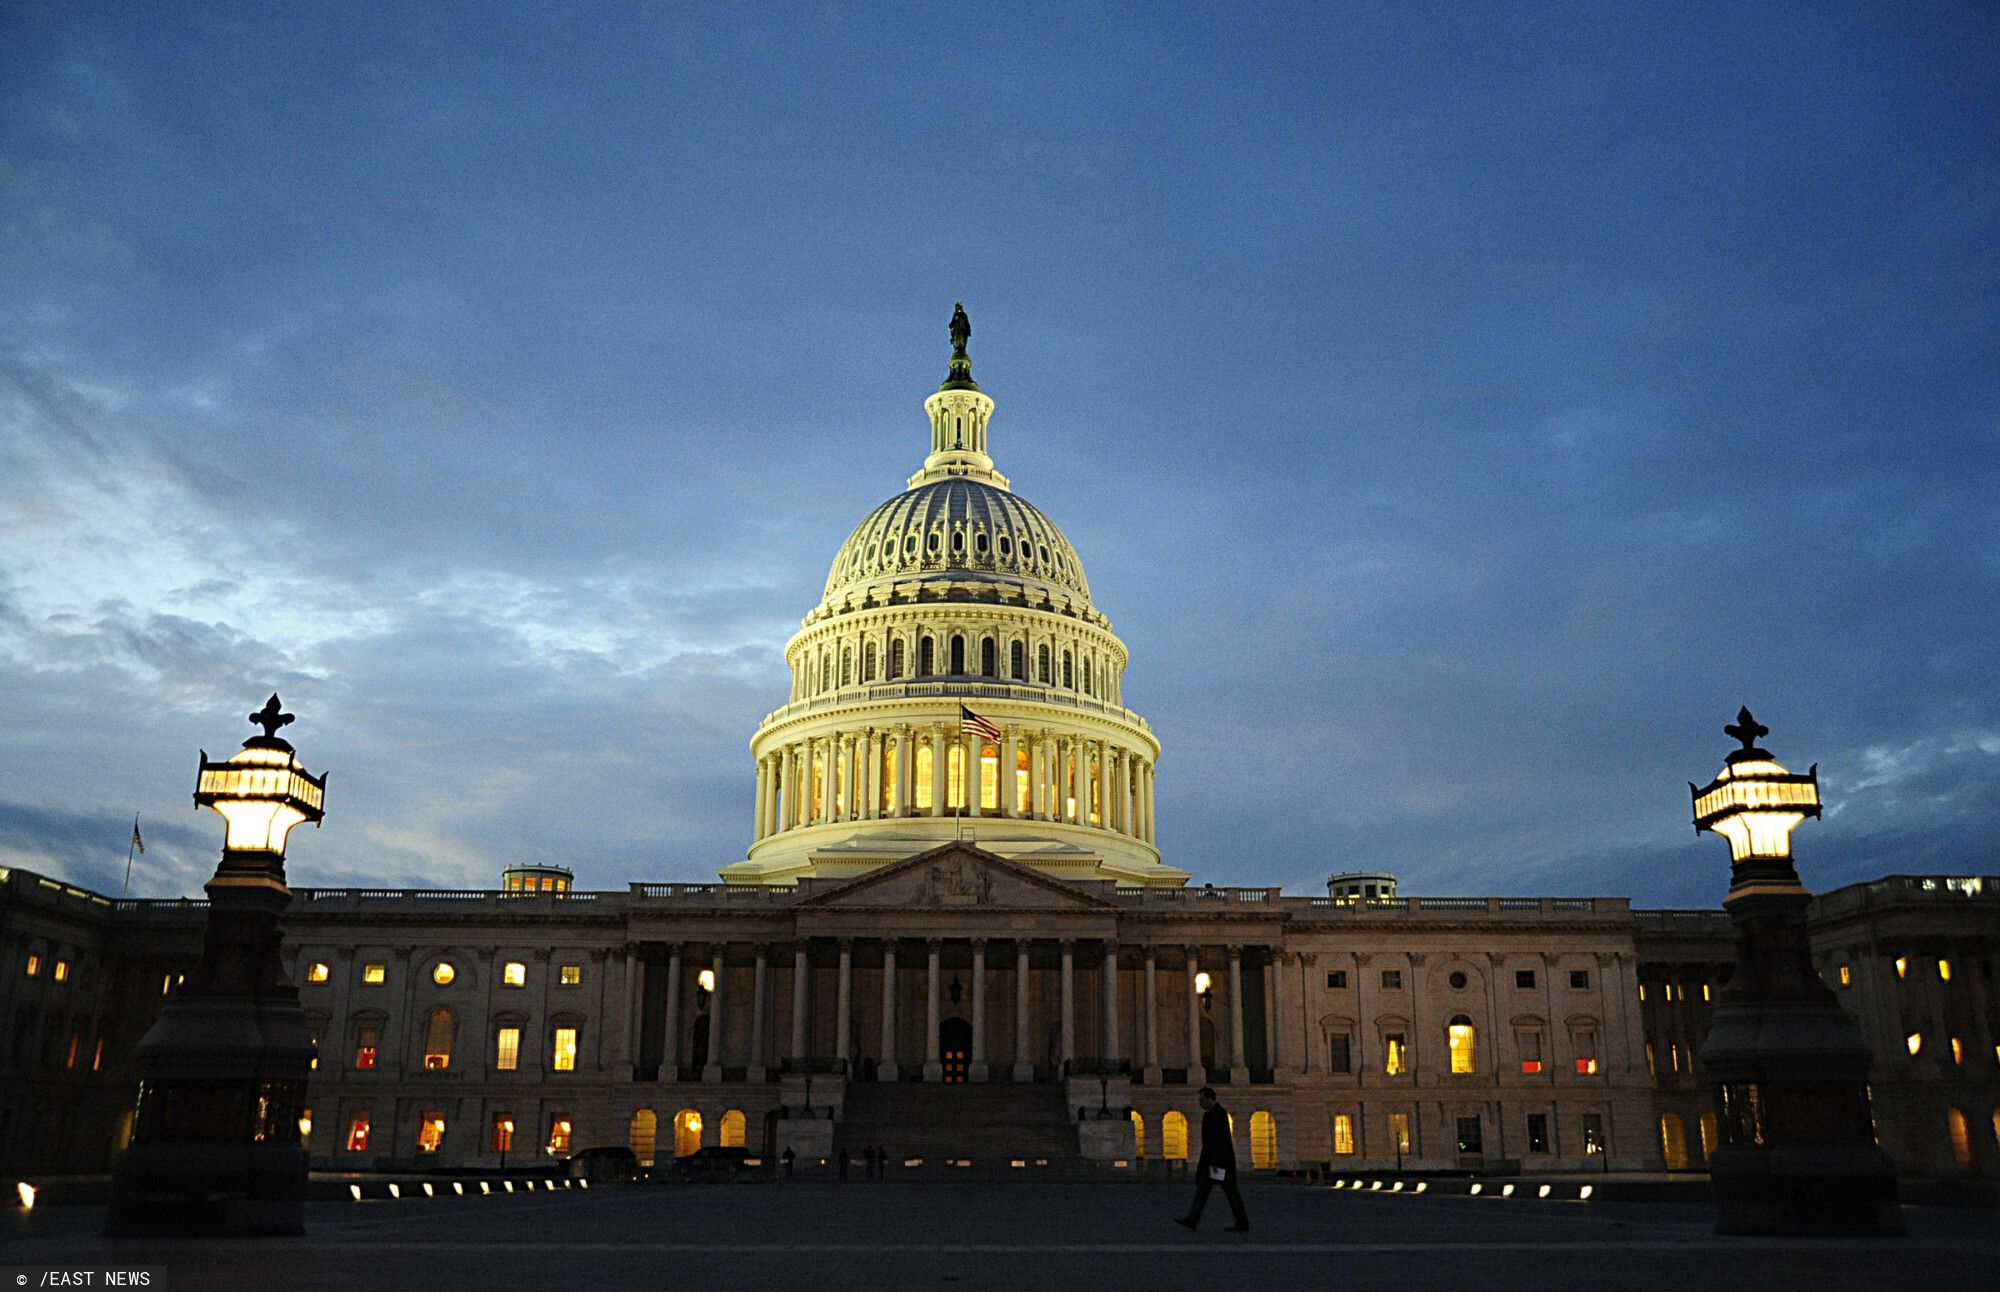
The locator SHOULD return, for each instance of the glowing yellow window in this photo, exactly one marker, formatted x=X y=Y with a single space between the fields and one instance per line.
x=1915 y=1041
x=1343 y=1133
x=375 y=975
x=922 y=784
x=733 y=1126
x=687 y=1132
x=1022 y=801
x=1902 y=966
x=503 y=1134
x=954 y=777
x=430 y=1136
x=62 y=970
x=507 y=1049
x=989 y=779
x=1673 y=1141
x=1705 y=992
x=306 y=1126
x=75 y=1046
x=1846 y=976
x=1462 y=1039
x=1263 y=1141
x=438 y=1031
x=1957 y=1050
x=572 y=975
x=443 y=974
x=1173 y=1137
x=33 y=969
x=514 y=974
x=565 y=1050
x=1399 y=1131
x=1138 y=1134
x=1651 y=1066
x=97 y=1056
x=318 y=971
x=559 y=1134
x=357 y=1134
x=1642 y=991
x=1944 y=970
x=1395 y=1055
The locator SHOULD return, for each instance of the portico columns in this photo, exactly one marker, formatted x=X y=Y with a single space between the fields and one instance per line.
x=670 y=1034
x=763 y=795
x=933 y=1069
x=885 y=1070
x=1110 y=1002
x=829 y=801
x=1239 y=1070
x=799 y=1001
x=1197 y=1074
x=842 y=1010
x=758 y=987
x=940 y=770
x=712 y=1070
x=1010 y=777
x=978 y=1069
x=1152 y=1073
x=1068 y=1004
x=1024 y=1064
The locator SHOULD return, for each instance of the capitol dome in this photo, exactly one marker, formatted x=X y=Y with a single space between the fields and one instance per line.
x=955 y=681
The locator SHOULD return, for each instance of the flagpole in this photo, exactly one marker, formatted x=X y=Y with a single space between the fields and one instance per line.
x=126 y=891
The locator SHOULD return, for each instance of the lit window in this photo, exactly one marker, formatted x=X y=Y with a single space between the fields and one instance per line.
x=1957 y=1050
x=1399 y=1132
x=75 y=1049
x=166 y=983
x=365 y=1042
x=97 y=1056
x=317 y=971
x=1673 y=1141
x=572 y=975
x=306 y=1127
x=437 y=1040
x=1846 y=976
x=1173 y=1137
x=558 y=1134
x=34 y=967
x=1642 y=991
x=1263 y=1141
x=1651 y=1066
x=430 y=1136
x=375 y=975
x=514 y=974
x=1531 y=1051
x=1343 y=1133
x=443 y=974
x=705 y=980
x=1705 y=992
x=1460 y=1036
x=1202 y=982
x=507 y=1052
x=1394 y=1055
x=1587 y=1067
x=1674 y=1056
x=1579 y=979
x=62 y=970
x=313 y=1063
x=357 y=1134
x=565 y=1050
x=1915 y=1041
x=503 y=1133
x=1944 y=971
x=1902 y=966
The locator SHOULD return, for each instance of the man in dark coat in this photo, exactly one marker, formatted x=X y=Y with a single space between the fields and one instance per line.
x=1217 y=1166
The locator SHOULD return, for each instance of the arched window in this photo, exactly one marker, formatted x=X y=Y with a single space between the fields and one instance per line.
x=731 y=1135
x=1086 y=678
x=1017 y=662
x=1263 y=1141
x=846 y=665
x=1173 y=1137
x=987 y=665
x=687 y=1132
x=895 y=659
x=1961 y=1137
x=1021 y=778
x=891 y=763
x=989 y=779
x=826 y=668
x=954 y=798
x=922 y=785
x=1069 y=672
x=925 y=657
x=437 y=1039
x=642 y=1135
x=1462 y=1039
x=931 y=543
x=1042 y=664
x=868 y=662
x=818 y=788
x=1674 y=1141
x=957 y=655
x=1138 y=1134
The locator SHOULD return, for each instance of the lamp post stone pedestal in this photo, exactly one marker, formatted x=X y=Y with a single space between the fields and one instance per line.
x=1798 y=1153
x=216 y=1145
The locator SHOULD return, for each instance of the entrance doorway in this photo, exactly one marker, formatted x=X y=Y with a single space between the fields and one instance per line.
x=955 y=1047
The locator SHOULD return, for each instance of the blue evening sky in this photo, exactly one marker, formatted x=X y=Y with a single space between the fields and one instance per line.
x=1460 y=410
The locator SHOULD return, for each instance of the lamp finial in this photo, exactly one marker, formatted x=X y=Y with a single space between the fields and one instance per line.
x=1748 y=730
x=271 y=717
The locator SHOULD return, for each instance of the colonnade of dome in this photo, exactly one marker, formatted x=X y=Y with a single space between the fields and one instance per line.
x=955 y=595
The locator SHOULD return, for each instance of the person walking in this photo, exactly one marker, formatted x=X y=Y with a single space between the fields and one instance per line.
x=1217 y=1166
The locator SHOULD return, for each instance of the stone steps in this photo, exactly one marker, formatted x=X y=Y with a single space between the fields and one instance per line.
x=992 y=1125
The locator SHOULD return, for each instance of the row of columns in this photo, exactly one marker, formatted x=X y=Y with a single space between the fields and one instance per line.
x=867 y=775
x=819 y=670
x=932 y=1063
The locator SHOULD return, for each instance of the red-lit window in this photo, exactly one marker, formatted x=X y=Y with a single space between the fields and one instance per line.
x=364 y=1047
x=1531 y=1065
x=1588 y=1067
x=357 y=1134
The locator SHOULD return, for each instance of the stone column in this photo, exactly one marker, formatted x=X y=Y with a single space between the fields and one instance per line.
x=1038 y=773
x=763 y=797
x=1197 y=1074
x=842 y=1006
x=1010 y=776
x=759 y=1024
x=933 y=1068
x=885 y=1070
x=712 y=1071
x=1024 y=1062
x=940 y=770
x=978 y=1069
x=845 y=781
x=829 y=801
x=871 y=767
x=1068 y=1054
x=621 y=1057
x=1152 y=1072
x=1239 y=1071
x=1110 y=972
x=799 y=970
x=670 y=1030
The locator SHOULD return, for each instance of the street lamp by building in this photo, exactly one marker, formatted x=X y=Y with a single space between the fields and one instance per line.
x=1798 y=1152
x=216 y=1145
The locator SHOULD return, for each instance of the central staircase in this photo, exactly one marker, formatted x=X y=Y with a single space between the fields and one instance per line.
x=992 y=1126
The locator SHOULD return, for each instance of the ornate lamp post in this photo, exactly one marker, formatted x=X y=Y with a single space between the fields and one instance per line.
x=1798 y=1153
x=216 y=1146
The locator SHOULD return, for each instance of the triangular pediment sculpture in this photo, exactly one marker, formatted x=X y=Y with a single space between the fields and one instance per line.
x=959 y=875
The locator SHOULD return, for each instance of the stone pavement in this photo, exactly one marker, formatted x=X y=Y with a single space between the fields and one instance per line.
x=884 y=1237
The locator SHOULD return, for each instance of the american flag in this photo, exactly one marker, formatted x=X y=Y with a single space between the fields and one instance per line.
x=137 y=842
x=971 y=724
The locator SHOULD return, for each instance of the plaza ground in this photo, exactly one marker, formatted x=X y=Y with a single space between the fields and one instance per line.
x=882 y=1237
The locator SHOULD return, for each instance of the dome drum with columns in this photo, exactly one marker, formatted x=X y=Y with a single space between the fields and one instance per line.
x=955 y=593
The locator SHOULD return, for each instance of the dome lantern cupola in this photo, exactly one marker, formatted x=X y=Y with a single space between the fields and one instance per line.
x=959 y=413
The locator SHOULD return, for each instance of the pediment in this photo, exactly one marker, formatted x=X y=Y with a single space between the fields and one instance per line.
x=958 y=875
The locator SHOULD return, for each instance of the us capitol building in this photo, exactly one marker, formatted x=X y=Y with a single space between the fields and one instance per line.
x=954 y=937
